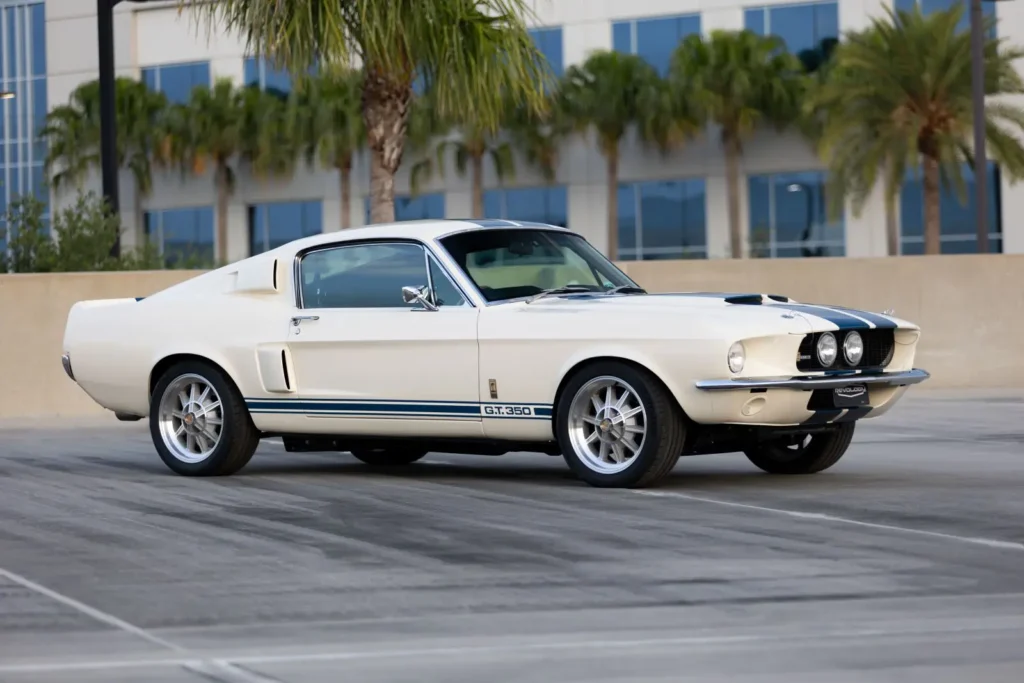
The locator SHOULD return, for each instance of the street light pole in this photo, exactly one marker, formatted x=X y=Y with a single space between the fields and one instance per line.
x=978 y=95
x=108 y=110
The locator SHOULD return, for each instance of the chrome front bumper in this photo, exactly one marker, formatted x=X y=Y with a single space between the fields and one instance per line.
x=809 y=383
x=65 y=360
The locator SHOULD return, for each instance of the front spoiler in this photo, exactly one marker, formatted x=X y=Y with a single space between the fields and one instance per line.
x=809 y=383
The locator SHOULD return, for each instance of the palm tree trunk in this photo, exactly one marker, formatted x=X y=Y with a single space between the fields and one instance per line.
x=477 y=169
x=892 y=234
x=386 y=114
x=345 y=173
x=222 y=213
x=932 y=219
x=732 y=180
x=611 y=160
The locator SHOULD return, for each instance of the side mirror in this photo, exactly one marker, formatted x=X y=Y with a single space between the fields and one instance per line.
x=420 y=295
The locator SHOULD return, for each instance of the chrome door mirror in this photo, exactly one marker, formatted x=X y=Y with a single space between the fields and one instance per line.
x=420 y=295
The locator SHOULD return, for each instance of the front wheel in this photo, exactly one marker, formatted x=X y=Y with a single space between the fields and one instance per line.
x=199 y=423
x=618 y=427
x=803 y=453
x=388 y=457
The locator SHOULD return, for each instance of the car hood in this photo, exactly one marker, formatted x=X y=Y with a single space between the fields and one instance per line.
x=773 y=312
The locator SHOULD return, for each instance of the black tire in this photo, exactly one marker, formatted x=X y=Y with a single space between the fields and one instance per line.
x=662 y=443
x=238 y=438
x=822 y=451
x=388 y=457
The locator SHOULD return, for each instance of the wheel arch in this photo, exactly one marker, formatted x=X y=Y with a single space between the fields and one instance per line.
x=165 y=363
x=610 y=357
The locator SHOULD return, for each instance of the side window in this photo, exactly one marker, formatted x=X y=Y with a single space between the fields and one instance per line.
x=362 y=276
x=445 y=291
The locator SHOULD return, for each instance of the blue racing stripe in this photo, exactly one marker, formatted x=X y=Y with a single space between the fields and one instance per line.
x=385 y=408
x=879 y=321
x=840 y=320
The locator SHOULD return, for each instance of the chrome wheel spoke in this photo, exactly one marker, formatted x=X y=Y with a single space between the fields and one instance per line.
x=607 y=424
x=191 y=418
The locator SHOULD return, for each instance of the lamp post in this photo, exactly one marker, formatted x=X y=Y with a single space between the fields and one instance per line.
x=978 y=105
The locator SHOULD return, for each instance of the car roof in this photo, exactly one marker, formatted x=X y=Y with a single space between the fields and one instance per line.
x=428 y=229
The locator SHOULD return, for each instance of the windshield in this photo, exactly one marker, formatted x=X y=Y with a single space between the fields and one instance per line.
x=516 y=263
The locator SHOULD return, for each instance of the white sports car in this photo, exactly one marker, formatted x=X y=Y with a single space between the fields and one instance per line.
x=483 y=337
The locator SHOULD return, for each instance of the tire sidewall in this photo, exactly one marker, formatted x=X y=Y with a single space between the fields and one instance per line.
x=648 y=452
x=228 y=398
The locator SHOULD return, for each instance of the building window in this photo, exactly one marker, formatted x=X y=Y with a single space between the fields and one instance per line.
x=957 y=223
x=803 y=27
x=176 y=81
x=662 y=220
x=549 y=42
x=23 y=72
x=277 y=223
x=654 y=39
x=417 y=208
x=537 y=204
x=788 y=217
x=184 y=236
x=987 y=8
x=260 y=72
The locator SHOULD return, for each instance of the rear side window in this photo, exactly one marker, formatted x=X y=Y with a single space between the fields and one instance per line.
x=362 y=275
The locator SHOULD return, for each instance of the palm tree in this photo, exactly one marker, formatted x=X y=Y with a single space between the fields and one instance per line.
x=738 y=80
x=538 y=136
x=471 y=148
x=267 y=143
x=207 y=131
x=611 y=93
x=325 y=119
x=72 y=131
x=899 y=98
x=467 y=50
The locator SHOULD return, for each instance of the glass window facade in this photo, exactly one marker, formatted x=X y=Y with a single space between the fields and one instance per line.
x=22 y=72
x=663 y=220
x=987 y=8
x=549 y=42
x=414 y=208
x=654 y=39
x=261 y=73
x=277 y=223
x=788 y=217
x=538 y=204
x=182 y=235
x=957 y=223
x=176 y=81
x=803 y=26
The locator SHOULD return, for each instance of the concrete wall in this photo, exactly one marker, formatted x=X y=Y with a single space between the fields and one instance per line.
x=969 y=309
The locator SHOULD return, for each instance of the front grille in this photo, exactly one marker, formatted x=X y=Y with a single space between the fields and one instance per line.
x=879 y=346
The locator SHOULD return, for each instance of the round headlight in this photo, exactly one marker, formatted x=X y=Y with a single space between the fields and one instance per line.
x=827 y=349
x=853 y=348
x=737 y=355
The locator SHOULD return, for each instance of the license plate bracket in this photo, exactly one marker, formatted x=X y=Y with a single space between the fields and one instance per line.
x=850 y=396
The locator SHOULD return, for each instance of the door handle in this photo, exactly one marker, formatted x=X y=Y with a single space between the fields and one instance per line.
x=296 y=320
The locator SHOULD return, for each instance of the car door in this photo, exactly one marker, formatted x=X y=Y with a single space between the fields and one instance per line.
x=368 y=362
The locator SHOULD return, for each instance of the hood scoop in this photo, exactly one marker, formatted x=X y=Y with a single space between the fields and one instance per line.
x=755 y=299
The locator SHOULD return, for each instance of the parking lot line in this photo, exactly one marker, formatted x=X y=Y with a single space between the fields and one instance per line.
x=98 y=615
x=822 y=517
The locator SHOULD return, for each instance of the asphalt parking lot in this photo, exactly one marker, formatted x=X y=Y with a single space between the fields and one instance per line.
x=904 y=562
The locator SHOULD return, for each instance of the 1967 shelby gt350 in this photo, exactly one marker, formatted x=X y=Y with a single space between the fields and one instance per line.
x=482 y=337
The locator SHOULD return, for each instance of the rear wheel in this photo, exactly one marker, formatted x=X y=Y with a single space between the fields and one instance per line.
x=803 y=453
x=199 y=423
x=388 y=457
x=618 y=426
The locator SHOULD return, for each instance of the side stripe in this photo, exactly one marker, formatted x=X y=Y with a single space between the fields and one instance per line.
x=396 y=409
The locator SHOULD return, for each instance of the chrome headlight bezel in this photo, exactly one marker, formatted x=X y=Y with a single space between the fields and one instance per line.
x=736 y=358
x=827 y=346
x=853 y=338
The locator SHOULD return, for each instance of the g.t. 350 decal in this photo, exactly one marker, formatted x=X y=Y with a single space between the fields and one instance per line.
x=506 y=410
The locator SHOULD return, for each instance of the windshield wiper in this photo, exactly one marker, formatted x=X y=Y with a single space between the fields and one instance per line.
x=566 y=289
x=626 y=289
